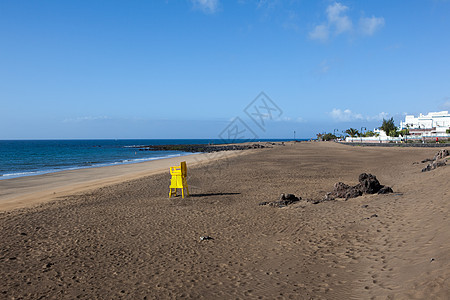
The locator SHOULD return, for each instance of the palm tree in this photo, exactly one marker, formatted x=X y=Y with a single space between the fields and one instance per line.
x=352 y=132
x=369 y=133
x=319 y=136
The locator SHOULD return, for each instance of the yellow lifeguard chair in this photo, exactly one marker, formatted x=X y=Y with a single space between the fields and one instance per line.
x=178 y=180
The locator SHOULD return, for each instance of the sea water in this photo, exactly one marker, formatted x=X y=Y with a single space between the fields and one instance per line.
x=34 y=157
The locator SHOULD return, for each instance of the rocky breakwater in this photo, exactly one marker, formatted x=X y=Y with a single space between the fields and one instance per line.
x=200 y=148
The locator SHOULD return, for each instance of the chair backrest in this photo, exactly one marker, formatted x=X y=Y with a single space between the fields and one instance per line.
x=183 y=169
x=179 y=170
x=175 y=170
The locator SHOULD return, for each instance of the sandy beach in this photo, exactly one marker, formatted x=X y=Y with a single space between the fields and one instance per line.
x=113 y=233
x=28 y=191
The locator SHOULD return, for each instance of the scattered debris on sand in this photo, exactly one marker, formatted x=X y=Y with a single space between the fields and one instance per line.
x=372 y=216
x=439 y=160
x=285 y=200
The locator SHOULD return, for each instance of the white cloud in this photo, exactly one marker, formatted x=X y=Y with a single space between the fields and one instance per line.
x=368 y=26
x=320 y=32
x=207 y=6
x=382 y=115
x=339 y=22
x=347 y=115
x=336 y=16
x=290 y=119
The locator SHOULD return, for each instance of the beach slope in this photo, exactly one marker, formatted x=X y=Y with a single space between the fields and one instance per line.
x=129 y=240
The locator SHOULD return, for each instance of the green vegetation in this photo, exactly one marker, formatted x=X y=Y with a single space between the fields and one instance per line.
x=352 y=132
x=389 y=127
x=404 y=132
x=319 y=137
x=326 y=137
x=369 y=134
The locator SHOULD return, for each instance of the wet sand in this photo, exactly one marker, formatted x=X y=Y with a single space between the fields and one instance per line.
x=127 y=239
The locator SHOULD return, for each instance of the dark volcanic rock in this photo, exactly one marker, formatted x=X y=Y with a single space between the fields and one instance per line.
x=328 y=197
x=289 y=197
x=353 y=192
x=441 y=154
x=199 y=148
x=437 y=161
x=385 y=190
x=426 y=160
x=340 y=189
x=285 y=200
x=434 y=165
x=368 y=184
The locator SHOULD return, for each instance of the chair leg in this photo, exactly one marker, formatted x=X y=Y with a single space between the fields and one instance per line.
x=172 y=192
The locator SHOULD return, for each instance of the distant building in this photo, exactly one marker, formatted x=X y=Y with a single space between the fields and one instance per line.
x=379 y=132
x=430 y=124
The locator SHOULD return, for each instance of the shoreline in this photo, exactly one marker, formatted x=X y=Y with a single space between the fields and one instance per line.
x=159 y=151
x=26 y=191
x=100 y=165
x=128 y=239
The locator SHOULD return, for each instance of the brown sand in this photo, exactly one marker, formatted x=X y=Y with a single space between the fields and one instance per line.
x=129 y=240
x=27 y=191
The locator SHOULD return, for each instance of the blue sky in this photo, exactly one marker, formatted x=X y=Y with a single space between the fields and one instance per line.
x=186 y=69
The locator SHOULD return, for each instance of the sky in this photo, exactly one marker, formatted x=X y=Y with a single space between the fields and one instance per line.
x=217 y=69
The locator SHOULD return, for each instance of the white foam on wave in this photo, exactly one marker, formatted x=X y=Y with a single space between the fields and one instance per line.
x=24 y=174
x=138 y=160
x=123 y=162
x=20 y=174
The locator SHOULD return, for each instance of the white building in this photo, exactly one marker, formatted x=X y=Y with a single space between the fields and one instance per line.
x=432 y=123
x=432 y=126
x=379 y=132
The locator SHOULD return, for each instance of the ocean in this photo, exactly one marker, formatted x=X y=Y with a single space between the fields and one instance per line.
x=20 y=158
